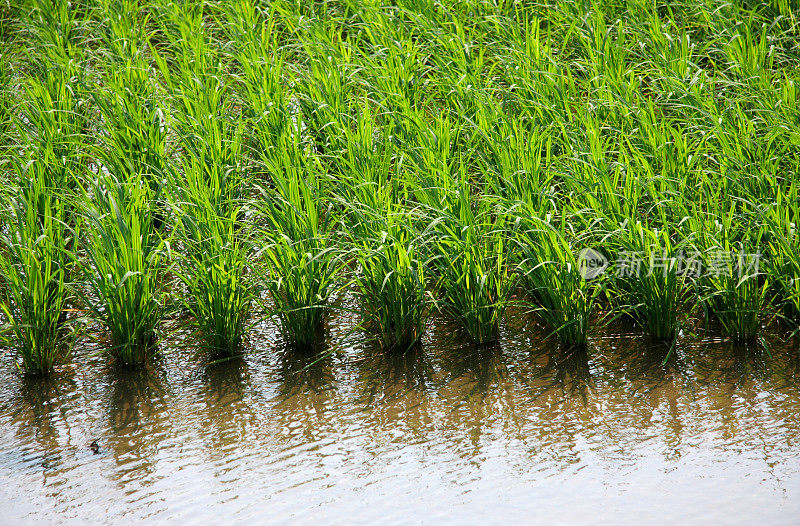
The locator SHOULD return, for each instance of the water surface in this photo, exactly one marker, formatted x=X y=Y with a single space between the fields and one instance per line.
x=448 y=433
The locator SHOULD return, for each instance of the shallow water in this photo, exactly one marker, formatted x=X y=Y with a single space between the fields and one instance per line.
x=444 y=434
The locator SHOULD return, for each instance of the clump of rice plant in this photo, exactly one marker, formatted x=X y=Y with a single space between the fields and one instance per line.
x=214 y=268
x=34 y=271
x=552 y=272
x=300 y=258
x=209 y=189
x=733 y=287
x=469 y=235
x=125 y=262
x=652 y=285
x=471 y=260
x=782 y=263
x=389 y=250
x=391 y=281
x=737 y=290
x=135 y=129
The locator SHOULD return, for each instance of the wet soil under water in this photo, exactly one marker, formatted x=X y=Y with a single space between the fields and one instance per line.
x=518 y=431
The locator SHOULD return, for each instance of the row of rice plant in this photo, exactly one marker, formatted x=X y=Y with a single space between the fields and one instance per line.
x=215 y=163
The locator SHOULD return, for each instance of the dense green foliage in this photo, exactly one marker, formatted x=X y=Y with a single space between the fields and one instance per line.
x=252 y=158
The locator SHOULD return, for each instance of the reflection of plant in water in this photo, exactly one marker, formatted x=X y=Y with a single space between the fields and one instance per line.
x=303 y=372
x=135 y=395
x=305 y=407
x=480 y=365
x=40 y=415
x=736 y=364
x=571 y=371
x=394 y=377
x=225 y=380
x=137 y=419
x=228 y=414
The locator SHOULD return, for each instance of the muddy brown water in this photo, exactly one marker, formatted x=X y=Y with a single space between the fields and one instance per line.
x=449 y=433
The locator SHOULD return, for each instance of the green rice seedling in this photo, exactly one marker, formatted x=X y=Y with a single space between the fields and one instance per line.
x=733 y=286
x=555 y=273
x=300 y=259
x=52 y=126
x=35 y=269
x=214 y=264
x=210 y=191
x=55 y=33
x=214 y=270
x=472 y=263
x=6 y=99
x=652 y=286
x=518 y=164
x=134 y=123
x=738 y=289
x=469 y=245
x=209 y=196
x=391 y=273
x=124 y=266
x=391 y=277
x=391 y=282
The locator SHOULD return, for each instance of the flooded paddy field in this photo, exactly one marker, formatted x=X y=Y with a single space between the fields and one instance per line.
x=222 y=223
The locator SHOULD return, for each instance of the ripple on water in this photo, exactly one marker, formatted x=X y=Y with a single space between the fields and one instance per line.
x=502 y=433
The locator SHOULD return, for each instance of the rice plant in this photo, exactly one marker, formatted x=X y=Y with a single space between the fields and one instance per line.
x=35 y=269
x=124 y=266
x=738 y=290
x=652 y=285
x=733 y=285
x=214 y=268
x=430 y=154
x=300 y=257
x=391 y=274
x=391 y=277
x=471 y=261
x=782 y=255
x=553 y=272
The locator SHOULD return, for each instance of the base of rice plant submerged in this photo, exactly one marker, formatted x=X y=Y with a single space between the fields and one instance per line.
x=301 y=257
x=654 y=290
x=563 y=295
x=392 y=288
